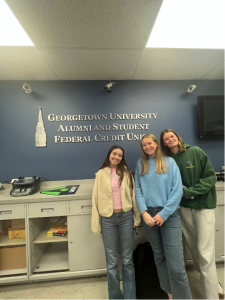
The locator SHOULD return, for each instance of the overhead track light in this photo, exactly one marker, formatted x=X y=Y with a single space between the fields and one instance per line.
x=27 y=88
x=109 y=85
x=191 y=88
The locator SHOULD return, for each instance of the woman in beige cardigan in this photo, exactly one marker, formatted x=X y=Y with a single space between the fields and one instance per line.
x=114 y=208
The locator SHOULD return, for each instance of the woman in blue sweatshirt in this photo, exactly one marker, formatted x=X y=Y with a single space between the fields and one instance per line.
x=158 y=189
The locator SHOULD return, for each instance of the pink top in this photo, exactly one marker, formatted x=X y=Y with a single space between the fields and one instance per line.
x=117 y=202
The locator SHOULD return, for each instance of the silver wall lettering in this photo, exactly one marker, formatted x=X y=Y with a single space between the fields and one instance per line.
x=73 y=139
x=97 y=117
x=61 y=128
x=56 y=138
x=58 y=118
x=75 y=128
x=51 y=118
x=134 y=137
x=114 y=116
x=102 y=127
x=98 y=137
x=129 y=126
x=108 y=138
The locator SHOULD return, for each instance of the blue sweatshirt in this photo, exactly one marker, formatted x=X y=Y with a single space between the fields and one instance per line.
x=154 y=190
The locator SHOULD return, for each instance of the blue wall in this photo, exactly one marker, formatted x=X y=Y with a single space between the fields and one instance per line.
x=60 y=161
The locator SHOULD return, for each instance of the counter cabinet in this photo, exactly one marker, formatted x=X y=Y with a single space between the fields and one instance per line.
x=13 y=252
x=219 y=234
x=81 y=252
x=220 y=227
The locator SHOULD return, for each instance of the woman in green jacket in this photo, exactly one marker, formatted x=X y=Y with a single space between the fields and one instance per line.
x=197 y=207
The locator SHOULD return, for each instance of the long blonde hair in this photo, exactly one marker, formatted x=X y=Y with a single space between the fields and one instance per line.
x=165 y=150
x=159 y=161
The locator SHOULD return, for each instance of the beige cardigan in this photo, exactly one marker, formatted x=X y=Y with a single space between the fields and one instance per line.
x=102 y=199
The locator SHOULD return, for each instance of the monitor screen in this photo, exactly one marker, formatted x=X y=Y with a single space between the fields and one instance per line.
x=211 y=116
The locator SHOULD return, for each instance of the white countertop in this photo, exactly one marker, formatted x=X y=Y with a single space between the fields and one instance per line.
x=84 y=192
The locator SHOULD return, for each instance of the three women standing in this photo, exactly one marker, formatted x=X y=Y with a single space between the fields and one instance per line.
x=158 y=188
x=114 y=208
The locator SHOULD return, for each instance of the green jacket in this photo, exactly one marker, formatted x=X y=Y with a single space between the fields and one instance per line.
x=198 y=176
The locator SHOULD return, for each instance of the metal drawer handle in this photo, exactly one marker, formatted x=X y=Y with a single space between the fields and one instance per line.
x=85 y=206
x=220 y=204
x=47 y=209
x=5 y=212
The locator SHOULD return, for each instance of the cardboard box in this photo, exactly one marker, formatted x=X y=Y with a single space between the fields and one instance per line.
x=18 y=223
x=16 y=233
x=57 y=233
x=6 y=225
x=60 y=225
x=12 y=258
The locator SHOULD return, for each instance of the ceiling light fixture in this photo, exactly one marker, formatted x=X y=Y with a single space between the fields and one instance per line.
x=11 y=31
x=189 y=24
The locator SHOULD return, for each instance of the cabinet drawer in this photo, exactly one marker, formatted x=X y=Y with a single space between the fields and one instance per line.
x=220 y=198
x=80 y=207
x=12 y=211
x=46 y=209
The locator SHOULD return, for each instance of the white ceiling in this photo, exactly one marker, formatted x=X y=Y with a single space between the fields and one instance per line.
x=99 y=40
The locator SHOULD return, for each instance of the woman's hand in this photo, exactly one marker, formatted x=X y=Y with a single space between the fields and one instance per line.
x=136 y=229
x=192 y=197
x=158 y=220
x=148 y=219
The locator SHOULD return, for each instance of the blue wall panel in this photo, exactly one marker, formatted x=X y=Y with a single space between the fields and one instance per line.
x=176 y=109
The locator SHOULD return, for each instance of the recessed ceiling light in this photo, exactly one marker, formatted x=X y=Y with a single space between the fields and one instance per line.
x=189 y=24
x=11 y=32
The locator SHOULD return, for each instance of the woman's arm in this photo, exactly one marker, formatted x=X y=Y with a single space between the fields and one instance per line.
x=95 y=218
x=136 y=212
x=140 y=199
x=138 y=191
x=205 y=182
x=175 y=194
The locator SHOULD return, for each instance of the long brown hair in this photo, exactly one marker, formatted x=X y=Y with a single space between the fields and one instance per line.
x=166 y=150
x=159 y=161
x=121 y=167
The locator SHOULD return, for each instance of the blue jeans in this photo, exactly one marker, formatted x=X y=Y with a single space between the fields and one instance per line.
x=166 y=242
x=122 y=221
